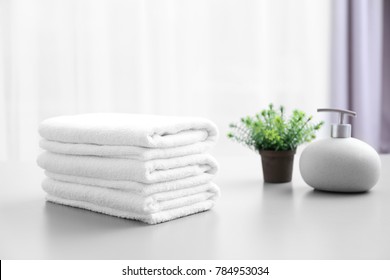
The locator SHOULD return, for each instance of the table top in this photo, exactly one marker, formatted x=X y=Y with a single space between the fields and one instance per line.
x=252 y=220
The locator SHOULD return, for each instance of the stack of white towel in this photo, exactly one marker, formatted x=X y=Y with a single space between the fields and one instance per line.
x=142 y=167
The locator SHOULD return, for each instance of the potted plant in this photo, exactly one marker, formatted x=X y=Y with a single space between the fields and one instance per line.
x=276 y=137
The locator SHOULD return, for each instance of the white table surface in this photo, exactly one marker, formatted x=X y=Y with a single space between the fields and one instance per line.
x=252 y=220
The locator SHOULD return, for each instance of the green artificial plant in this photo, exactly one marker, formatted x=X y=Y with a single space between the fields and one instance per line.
x=272 y=130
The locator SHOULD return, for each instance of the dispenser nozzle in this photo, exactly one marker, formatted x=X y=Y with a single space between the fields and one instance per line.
x=342 y=113
x=340 y=130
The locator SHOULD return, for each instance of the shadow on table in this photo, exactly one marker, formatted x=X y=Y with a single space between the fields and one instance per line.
x=76 y=233
x=65 y=220
x=338 y=208
x=285 y=189
x=317 y=194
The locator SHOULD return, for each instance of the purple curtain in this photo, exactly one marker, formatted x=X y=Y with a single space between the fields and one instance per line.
x=360 y=67
x=385 y=109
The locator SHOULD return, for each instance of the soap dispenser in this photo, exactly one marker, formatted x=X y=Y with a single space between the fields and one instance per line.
x=340 y=163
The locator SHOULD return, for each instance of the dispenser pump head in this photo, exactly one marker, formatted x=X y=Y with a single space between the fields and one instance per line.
x=340 y=130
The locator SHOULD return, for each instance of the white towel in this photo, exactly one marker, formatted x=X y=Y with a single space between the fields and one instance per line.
x=140 y=188
x=153 y=171
x=128 y=130
x=150 y=209
x=132 y=152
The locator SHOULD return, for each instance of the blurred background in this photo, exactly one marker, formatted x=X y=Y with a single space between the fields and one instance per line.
x=220 y=59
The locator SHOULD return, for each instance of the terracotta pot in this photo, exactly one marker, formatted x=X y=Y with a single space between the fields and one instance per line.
x=277 y=165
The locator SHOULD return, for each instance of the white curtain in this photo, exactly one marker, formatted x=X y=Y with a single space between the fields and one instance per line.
x=220 y=59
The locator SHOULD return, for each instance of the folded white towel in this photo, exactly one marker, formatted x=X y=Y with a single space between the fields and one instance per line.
x=132 y=152
x=153 y=171
x=150 y=209
x=128 y=130
x=140 y=188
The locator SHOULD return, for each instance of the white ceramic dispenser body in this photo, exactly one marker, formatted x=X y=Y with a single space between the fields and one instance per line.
x=340 y=163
